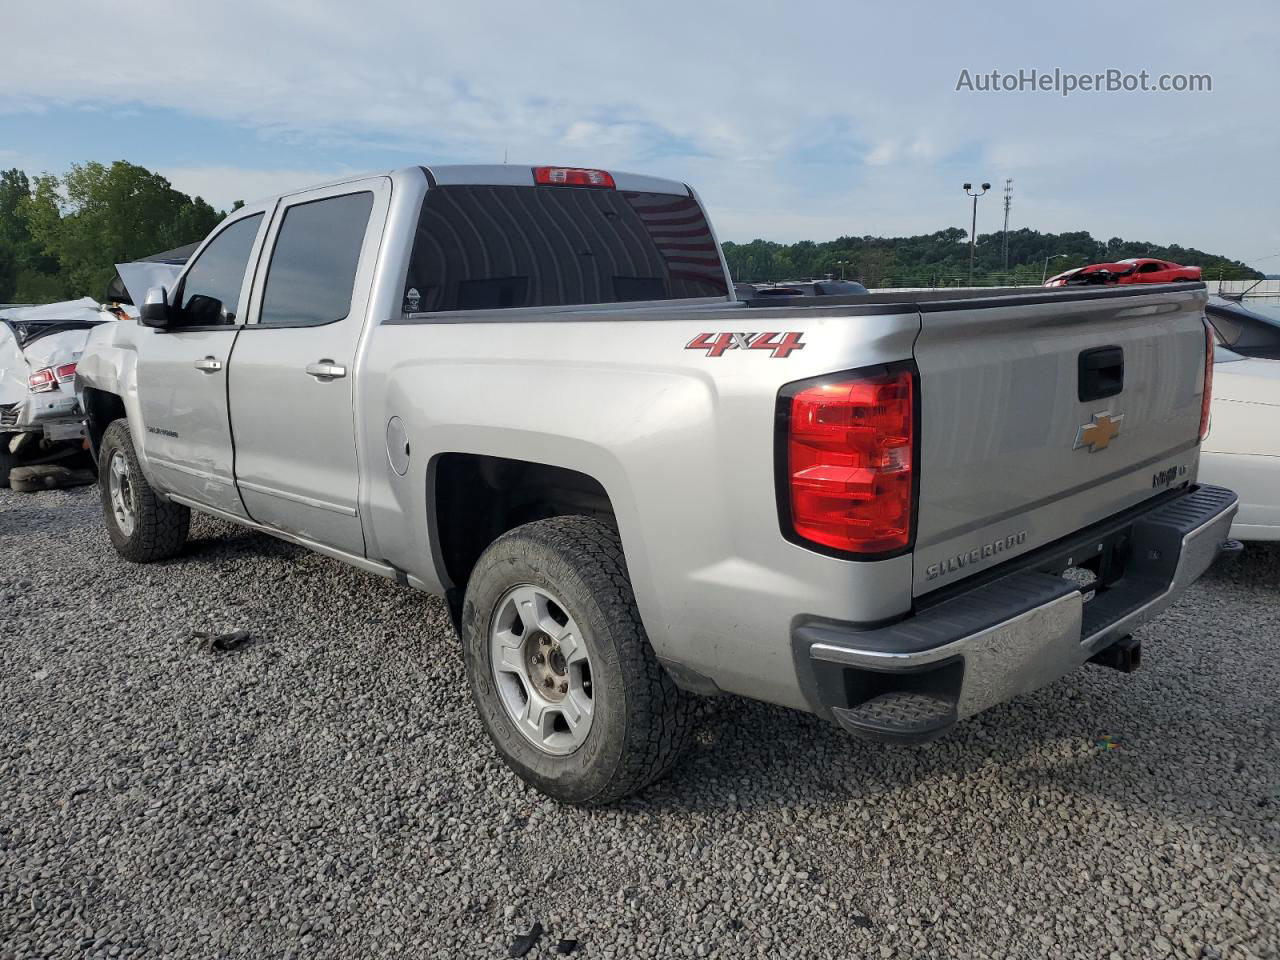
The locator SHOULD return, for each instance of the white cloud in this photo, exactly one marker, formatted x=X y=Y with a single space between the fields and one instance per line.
x=223 y=185
x=727 y=95
x=882 y=154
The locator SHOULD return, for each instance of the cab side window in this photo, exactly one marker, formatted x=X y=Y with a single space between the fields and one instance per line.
x=209 y=295
x=313 y=266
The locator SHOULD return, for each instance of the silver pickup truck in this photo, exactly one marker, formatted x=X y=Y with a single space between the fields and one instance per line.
x=531 y=390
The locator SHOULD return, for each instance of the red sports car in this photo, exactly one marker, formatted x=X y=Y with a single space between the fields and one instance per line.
x=1133 y=270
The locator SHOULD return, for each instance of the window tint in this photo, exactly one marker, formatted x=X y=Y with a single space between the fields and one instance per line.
x=211 y=289
x=313 y=266
x=481 y=247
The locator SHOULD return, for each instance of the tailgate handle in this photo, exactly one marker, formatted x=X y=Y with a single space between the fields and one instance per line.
x=1101 y=373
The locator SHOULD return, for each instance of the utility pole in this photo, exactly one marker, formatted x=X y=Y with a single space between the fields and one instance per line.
x=973 y=229
x=1008 y=202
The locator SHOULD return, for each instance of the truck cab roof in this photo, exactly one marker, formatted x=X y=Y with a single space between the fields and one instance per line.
x=493 y=174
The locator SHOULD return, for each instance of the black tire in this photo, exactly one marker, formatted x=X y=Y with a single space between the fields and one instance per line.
x=641 y=719
x=160 y=527
x=7 y=461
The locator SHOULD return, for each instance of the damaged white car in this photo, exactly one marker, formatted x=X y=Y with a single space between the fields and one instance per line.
x=42 y=417
x=41 y=420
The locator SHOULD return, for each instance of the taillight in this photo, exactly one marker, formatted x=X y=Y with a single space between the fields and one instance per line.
x=65 y=372
x=572 y=177
x=849 y=462
x=1207 y=397
x=42 y=381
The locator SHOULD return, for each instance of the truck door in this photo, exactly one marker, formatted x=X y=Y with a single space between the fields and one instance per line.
x=182 y=370
x=292 y=373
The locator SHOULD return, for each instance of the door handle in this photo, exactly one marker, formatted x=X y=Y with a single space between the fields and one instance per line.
x=209 y=365
x=326 y=370
x=1100 y=373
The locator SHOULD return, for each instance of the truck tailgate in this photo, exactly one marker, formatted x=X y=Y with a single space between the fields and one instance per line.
x=1011 y=456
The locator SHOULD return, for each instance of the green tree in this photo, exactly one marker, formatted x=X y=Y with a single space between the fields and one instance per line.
x=96 y=216
x=942 y=258
x=27 y=272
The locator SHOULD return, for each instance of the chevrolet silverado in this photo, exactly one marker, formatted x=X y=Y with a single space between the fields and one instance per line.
x=533 y=391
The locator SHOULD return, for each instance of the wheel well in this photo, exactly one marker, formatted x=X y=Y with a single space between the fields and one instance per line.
x=101 y=409
x=478 y=498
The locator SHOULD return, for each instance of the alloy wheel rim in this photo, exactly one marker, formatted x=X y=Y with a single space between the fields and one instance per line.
x=541 y=669
x=120 y=488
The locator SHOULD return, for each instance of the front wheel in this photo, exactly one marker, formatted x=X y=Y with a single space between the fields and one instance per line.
x=143 y=526
x=560 y=668
x=7 y=460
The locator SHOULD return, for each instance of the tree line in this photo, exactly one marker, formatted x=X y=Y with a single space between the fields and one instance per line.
x=61 y=236
x=942 y=258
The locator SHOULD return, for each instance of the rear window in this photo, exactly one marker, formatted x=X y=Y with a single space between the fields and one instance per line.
x=489 y=247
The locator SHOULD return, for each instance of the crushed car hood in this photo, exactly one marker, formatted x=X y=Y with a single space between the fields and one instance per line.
x=27 y=346
x=141 y=276
x=13 y=369
x=86 y=308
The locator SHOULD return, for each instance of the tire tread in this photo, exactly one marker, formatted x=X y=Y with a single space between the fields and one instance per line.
x=162 y=526
x=659 y=715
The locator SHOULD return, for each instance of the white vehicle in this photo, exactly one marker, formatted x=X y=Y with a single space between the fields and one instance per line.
x=40 y=415
x=1242 y=450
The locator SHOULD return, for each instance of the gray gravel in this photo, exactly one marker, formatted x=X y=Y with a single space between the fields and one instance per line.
x=324 y=790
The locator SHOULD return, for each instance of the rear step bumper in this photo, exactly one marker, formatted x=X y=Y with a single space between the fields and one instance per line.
x=912 y=680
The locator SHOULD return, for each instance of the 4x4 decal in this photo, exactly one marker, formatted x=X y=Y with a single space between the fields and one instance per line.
x=779 y=345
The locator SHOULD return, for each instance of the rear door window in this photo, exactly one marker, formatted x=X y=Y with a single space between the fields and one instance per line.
x=491 y=247
x=313 y=266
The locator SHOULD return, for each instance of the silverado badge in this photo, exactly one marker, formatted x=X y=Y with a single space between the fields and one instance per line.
x=1099 y=432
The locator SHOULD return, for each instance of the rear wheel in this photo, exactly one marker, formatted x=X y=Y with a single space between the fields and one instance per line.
x=561 y=671
x=143 y=526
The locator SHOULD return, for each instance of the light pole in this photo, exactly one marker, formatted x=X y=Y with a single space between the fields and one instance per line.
x=842 y=264
x=1045 y=274
x=973 y=229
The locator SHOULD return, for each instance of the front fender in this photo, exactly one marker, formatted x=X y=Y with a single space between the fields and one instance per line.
x=109 y=366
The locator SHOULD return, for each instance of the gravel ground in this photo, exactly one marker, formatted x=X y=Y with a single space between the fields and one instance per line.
x=326 y=791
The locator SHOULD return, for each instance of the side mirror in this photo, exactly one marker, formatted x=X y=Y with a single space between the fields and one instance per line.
x=155 y=309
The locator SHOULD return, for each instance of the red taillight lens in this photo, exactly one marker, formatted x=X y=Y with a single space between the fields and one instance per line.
x=572 y=177
x=849 y=462
x=66 y=371
x=1207 y=398
x=42 y=381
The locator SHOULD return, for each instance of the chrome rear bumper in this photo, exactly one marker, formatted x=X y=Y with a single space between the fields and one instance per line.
x=1018 y=631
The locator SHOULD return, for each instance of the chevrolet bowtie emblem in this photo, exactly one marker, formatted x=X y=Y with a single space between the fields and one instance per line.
x=1099 y=432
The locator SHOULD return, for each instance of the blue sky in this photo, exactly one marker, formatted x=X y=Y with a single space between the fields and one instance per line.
x=805 y=120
